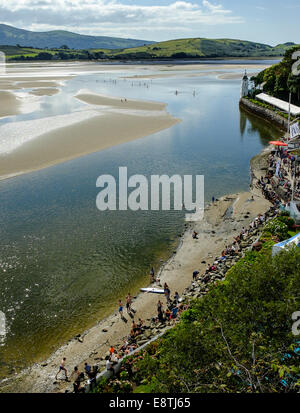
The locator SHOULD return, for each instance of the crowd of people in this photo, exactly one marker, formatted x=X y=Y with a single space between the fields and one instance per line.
x=282 y=176
x=231 y=250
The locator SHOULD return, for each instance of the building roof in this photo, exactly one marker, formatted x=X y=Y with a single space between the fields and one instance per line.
x=281 y=104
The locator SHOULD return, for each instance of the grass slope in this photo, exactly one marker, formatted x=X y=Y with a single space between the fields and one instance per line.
x=200 y=47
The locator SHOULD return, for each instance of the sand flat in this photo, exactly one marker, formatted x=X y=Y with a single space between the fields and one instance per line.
x=5 y=85
x=37 y=83
x=9 y=104
x=118 y=102
x=44 y=92
x=81 y=138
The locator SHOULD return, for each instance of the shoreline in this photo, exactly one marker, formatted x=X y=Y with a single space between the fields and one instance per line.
x=215 y=232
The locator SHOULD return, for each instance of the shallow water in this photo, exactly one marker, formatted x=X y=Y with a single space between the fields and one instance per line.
x=63 y=263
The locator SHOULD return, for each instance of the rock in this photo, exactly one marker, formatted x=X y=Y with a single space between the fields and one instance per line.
x=141 y=342
x=257 y=246
x=44 y=364
x=80 y=340
x=104 y=330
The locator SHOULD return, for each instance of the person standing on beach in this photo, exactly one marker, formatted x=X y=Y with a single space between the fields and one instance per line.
x=176 y=297
x=109 y=364
x=195 y=273
x=121 y=308
x=62 y=367
x=167 y=292
x=152 y=277
x=87 y=369
x=128 y=303
x=75 y=373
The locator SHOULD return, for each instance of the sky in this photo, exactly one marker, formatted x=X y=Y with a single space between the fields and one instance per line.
x=265 y=21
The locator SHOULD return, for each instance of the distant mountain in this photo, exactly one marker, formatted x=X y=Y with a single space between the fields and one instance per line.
x=11 y=36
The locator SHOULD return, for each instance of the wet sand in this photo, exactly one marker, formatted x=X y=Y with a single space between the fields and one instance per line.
x=102 y=130
x=119 y=103
x=37 y=84
x=44 y=92
x=9 y=104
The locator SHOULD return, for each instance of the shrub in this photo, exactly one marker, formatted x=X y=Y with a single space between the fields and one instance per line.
x=277 y=228
x=288 y=221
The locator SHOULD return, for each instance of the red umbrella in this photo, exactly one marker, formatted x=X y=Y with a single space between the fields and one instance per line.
x=278 y=143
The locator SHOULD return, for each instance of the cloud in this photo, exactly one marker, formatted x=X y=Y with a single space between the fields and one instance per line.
x=114 y=18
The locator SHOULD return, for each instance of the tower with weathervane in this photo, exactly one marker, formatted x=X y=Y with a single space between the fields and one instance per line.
x=245 y=86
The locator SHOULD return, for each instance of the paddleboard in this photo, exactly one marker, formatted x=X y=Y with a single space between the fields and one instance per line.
x=152 y=290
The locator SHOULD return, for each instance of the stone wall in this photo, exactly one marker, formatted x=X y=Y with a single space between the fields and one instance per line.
x=267 y=114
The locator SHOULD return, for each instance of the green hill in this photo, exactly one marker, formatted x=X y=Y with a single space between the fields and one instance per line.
x=172 y=49
x=200 y=48
x=12 y=36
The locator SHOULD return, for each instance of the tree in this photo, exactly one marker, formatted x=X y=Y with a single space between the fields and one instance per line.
x=237 y=338
x=294 y=85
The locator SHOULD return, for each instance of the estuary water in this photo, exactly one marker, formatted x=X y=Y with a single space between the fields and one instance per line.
x=63 y=263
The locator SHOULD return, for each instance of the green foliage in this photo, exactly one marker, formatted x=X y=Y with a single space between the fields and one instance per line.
x=278 y=228
x=278 y=79
x=237 y=338
x=287 y=220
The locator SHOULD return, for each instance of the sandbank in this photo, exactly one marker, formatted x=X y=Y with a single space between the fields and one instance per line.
x=44 y=92
x=9 y=104
x=100 y=129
